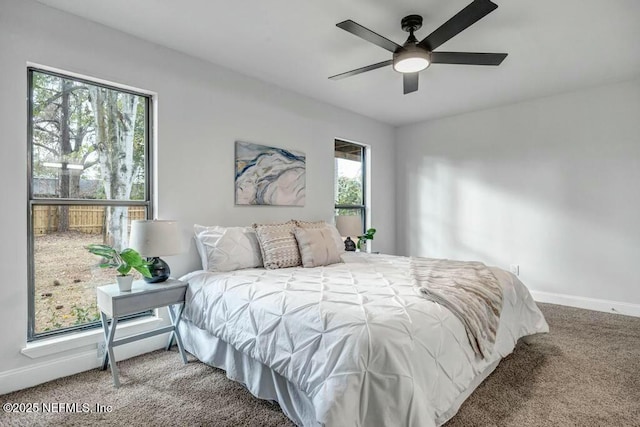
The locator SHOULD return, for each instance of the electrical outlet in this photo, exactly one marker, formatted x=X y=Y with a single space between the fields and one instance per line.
x=102 y=348
x=515 y=269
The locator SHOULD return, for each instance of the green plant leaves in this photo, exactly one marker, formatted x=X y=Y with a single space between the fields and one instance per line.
x=103 y=251
x=368 y=235
x=124 y=269
x=123 y=261
x=131 y=257
x=144 y=270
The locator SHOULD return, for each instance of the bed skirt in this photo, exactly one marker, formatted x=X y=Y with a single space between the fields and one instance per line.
x=266 y=384
x=259 y=379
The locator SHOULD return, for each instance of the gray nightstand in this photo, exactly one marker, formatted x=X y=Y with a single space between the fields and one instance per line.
x=143 y=296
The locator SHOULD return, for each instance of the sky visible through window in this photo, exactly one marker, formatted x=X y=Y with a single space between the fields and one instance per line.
x=349 y=168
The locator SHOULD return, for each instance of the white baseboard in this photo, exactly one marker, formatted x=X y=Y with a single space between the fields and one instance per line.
x=86 y=359
x=588 y=303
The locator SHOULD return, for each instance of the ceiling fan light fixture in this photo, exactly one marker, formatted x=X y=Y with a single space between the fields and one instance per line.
x=414 y=55
x=411 y=59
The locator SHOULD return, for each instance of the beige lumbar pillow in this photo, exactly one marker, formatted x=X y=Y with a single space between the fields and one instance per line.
x=317 y=246
x=278 y=245
x=331 y=229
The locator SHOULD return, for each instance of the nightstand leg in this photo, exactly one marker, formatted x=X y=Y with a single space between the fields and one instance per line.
x=105 y=332
x=108 y=356
x=172 y=316
x=175 y=320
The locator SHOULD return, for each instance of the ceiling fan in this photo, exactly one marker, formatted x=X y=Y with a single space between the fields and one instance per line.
x=413 y=56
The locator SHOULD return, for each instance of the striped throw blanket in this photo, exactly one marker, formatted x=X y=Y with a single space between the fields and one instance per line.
x=468 y=289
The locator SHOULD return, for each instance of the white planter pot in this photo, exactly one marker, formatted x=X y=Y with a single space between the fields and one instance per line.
x=124 y=283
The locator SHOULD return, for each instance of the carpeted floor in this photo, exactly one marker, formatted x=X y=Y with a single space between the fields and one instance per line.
x=586 y=372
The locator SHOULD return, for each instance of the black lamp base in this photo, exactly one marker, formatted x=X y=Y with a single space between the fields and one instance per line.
x=159 y=270
x=349 y=245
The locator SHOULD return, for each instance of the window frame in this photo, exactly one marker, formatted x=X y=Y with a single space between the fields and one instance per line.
x=41 y=201
x=362 y=207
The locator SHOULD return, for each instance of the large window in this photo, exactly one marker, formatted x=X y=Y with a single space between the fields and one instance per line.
x=88 y=178
x=350 y=195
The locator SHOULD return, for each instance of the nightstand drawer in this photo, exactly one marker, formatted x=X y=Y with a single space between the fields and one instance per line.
x=146 y=301
x=143 y=297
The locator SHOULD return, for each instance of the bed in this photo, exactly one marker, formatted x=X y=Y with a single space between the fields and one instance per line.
x=348 y=344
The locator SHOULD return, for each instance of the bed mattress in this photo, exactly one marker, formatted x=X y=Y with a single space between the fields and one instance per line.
x=353 y=343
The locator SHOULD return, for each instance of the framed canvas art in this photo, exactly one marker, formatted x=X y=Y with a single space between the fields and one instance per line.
x=269 y=175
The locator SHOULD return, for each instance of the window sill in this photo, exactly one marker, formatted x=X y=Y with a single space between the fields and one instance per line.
x=47 y=347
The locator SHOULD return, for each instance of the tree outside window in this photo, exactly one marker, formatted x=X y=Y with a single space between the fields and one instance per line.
x=350 y=179
x=89 y=146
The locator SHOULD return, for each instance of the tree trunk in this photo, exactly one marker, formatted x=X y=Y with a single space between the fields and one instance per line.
x=115 y=117
x=65 y=150
x=74 y=184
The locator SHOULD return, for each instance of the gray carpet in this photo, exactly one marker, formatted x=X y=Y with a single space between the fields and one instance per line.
x=586 y=372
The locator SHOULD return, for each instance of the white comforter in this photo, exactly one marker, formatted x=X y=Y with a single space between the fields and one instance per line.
x=355 y=337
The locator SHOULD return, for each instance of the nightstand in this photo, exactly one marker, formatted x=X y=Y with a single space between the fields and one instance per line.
x=143 y=296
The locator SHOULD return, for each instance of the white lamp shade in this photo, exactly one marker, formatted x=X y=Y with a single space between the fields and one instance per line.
x=155 y=238
x=349 y=225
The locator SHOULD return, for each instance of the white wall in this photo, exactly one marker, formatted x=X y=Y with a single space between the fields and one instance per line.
x=202 y=110
x=552 y=185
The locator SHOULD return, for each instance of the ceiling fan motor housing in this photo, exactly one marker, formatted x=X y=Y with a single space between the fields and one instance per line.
x=411 y=23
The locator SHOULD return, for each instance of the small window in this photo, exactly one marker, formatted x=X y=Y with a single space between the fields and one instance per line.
x=350 y=195
x=88 y=178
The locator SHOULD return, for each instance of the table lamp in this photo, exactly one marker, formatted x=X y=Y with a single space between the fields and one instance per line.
x=349 y=225
x=153 y=239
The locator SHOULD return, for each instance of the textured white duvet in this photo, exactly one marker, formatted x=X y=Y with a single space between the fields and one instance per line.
x=355 y=337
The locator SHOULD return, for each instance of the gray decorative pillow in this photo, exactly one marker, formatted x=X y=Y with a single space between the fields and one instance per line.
x=317 y=246
x=278 y=245
x=333 y=231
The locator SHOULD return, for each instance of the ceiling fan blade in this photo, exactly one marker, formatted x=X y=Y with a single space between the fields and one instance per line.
x=365 y=33
x=468 y=16
x=361 y=70
x=467 y=58
x=410 y=82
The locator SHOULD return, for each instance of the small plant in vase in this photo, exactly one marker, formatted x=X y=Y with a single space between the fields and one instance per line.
x=362 y=240
x=122 y=261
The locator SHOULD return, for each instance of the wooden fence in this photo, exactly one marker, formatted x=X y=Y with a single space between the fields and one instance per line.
x=85 y=219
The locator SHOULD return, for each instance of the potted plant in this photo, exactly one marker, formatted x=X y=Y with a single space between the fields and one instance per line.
x=122 y=261
x=362 y=240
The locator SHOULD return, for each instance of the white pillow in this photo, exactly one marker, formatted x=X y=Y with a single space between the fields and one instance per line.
x=227 y=248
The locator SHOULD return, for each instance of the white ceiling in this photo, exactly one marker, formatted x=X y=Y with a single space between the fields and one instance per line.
x=553 y=46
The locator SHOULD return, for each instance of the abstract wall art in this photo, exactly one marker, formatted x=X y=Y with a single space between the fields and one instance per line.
x=269 y=175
